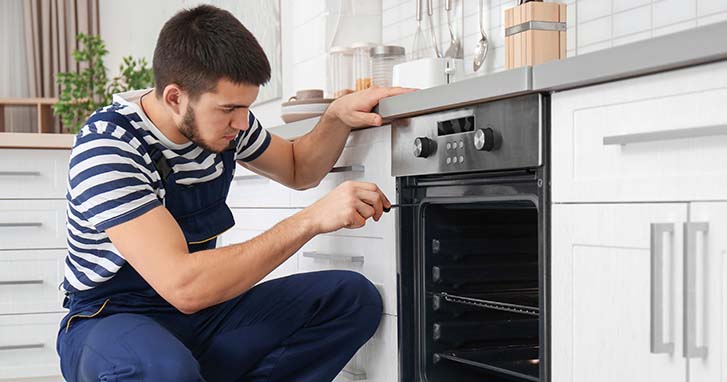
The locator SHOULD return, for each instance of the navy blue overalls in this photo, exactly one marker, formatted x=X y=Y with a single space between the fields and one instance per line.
x=303 y=327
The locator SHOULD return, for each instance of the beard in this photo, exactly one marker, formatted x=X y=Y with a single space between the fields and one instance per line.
x=189 y=129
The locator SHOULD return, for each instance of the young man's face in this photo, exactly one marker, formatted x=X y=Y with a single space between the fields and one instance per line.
x=215 y=119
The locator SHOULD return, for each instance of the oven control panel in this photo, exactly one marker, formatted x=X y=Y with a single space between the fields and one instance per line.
x=498 y=135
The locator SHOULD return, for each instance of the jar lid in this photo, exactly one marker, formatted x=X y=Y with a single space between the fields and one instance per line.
x=357 y=45
x=387 y=50
x=340 y=49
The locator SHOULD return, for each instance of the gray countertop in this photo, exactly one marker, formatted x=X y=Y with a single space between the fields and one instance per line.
x=692 y=47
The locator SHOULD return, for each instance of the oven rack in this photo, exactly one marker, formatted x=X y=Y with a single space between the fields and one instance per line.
x=512 y=362
x=488 y=304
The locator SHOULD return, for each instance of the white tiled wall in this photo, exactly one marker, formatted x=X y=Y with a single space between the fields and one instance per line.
x=592 y=24
x=308 y=26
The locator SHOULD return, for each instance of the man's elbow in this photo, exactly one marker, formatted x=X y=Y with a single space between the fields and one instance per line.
x=183 y=294
x=305 y=186
x=186 y=301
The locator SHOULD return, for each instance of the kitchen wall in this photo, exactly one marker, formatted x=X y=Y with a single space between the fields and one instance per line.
x=592 y=24
x=307 y=27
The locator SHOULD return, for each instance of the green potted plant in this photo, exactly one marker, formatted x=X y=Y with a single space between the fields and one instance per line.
x=89 y=89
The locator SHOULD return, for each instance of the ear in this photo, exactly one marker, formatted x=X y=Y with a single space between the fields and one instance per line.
x=174 y=98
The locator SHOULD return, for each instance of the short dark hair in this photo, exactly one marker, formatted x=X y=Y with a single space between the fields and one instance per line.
x=200 y=46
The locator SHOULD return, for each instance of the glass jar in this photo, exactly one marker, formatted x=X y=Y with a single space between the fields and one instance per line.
x=383 y=59
x=340 y=80
x=362 y=65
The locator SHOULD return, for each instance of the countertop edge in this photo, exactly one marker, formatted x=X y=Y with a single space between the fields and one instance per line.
x=692 y=47
x=36 y=141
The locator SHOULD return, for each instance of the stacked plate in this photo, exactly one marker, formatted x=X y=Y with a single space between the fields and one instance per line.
x=296 y=110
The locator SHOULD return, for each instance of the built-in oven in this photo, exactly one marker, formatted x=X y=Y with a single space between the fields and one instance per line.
x=472 y=236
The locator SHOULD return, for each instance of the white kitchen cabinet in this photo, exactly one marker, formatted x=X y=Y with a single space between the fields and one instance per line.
x=252 y=222
x=633 y=301
x=32 y=224
x=710 y=291
x=661 y=137
x=33 y=174
x=377 y=360
x=29 y=281
x=601 y=292
x=28 y=346
x=32 y=251
x=252 y=190
x=375 y=258
x=366 y=157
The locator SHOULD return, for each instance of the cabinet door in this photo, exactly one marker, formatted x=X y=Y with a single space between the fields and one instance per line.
x=602 y=294
x=709 y=307
x=661 y=137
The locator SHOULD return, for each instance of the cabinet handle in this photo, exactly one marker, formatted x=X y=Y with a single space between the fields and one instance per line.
x=250 y=177
x=19 y=173
x=327 y=256
x=657 y=287
x=19 y=225
x=21 y=282
x=22 y=347
x=353 y=375
x=352 y=168
x=691 y=350
x=692 y=132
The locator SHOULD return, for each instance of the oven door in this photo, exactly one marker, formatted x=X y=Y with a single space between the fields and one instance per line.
x=472 y=271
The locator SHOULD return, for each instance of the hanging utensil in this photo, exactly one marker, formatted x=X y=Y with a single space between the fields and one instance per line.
x=481 y=48
x=432 y=32
x=455 y=47
x=418 y=43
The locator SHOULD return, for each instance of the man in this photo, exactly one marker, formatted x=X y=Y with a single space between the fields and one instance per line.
x=150 y=297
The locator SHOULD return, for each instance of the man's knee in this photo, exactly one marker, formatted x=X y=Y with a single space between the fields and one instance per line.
x=359 y=291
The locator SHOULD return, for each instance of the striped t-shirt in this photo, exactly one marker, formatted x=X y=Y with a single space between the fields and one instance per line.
x=110 y=182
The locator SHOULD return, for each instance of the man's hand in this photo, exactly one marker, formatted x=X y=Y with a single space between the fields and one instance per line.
x=354 y=109
x=347 y=206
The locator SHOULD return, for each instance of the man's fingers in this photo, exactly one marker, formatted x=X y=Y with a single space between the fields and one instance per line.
x=372 y=187
x=373 y=199
x=394 y=91
x=364 y=210
x=365 y=119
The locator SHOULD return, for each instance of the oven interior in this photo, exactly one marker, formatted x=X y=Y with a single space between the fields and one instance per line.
x=477 y=292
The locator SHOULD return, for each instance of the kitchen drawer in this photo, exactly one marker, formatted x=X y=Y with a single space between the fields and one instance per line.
x=250 y=223
x=32 y=224
x=252 y=190
x=28 y=345
x=366 y=162
x=33 y=174
x=655 y=138
x=377 y=360
x=373 y=257
x=259 y=218
x=29 y=281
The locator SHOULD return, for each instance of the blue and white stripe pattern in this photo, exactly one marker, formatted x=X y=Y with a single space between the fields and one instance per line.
x=112 y=180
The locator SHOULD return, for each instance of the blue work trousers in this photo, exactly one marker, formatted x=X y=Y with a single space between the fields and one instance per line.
x=304 y=327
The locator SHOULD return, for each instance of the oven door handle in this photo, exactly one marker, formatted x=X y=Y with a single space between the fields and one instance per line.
x=658 y=345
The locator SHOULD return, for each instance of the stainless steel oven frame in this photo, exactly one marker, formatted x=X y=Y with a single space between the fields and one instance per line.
x=526 y=181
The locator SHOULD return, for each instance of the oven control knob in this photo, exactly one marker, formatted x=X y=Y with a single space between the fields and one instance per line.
x=484 y=139
x=423 y=147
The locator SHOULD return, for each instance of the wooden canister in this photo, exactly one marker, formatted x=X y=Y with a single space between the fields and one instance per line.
x=535 y=32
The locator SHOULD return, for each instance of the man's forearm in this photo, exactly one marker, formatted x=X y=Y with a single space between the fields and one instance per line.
x=316 y=152
x=217 y=275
